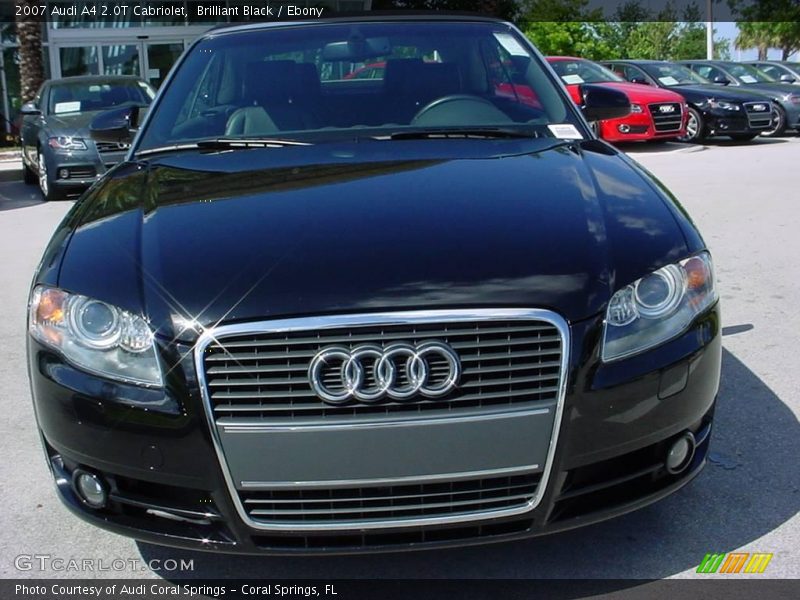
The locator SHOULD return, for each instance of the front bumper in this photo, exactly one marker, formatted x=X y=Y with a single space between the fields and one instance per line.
x=82 y=169
x=720 y=122
x=167 y=485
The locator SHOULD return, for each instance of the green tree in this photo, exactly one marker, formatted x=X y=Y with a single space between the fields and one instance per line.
x=566 y=27
x=769 y=24
x=31 y=63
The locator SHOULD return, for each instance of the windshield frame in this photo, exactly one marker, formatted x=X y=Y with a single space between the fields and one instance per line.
x=614 y=78
x=572 y=116
x=697 y=79
x=144 y=88
x=761 y=76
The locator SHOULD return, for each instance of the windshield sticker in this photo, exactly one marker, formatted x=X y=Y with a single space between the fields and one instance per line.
x=572 y=79
x=565 y=131
x=668 y=80
x=512 y=46
x=67 y=107
x=748 y=79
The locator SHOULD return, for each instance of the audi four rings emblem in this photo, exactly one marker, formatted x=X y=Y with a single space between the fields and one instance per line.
x=351 y=380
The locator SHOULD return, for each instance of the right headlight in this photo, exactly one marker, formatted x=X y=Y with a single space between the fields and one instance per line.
x=66 y=142
x=95 y=336
x=723 y=105
x=657 y=307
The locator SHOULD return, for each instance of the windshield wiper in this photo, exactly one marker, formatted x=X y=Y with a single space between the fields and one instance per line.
x=225 y=144
x=460 y=133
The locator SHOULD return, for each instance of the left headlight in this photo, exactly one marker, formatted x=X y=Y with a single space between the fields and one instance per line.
x=95 y=336
x=657 y=307
x=723 y=105
x=65 y=142
x=636 y=108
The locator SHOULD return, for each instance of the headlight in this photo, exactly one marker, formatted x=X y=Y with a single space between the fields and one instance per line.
x=65 y=142
x=657 y=307
x=721 y=104
x=95 y=336
x=793 y=98
x=636 y=108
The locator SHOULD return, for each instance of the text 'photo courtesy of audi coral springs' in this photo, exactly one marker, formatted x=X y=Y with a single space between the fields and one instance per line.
x=314 y=312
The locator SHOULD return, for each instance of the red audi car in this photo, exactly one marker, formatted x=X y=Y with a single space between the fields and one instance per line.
x=656 y=114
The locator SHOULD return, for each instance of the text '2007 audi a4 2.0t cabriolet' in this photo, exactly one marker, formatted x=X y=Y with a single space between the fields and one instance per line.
x=313 y=312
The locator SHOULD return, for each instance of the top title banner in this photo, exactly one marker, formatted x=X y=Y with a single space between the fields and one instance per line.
x=72 y=13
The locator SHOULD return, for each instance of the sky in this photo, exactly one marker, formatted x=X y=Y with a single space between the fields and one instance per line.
x=728 y=30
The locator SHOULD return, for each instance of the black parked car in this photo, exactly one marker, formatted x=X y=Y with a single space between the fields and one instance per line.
x=314 y=312
x=713 y=110
x=785 y=96
x=57 y=151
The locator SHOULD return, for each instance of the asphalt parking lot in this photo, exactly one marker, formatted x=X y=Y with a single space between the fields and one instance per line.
x=744 y=198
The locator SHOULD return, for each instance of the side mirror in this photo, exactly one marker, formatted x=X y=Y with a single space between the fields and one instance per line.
x=601 y=103
x=29 y=108
x=721 y=80
x=116 y=125
x=640 y=80
x=786 y=78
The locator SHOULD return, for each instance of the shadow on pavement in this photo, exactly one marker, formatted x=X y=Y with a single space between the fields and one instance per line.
x=14 y=195
x=750 y=487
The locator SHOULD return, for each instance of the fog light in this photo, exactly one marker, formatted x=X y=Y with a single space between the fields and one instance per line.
x=63 y=173
x=680 y=453
x=91 y=489
x=624 y=128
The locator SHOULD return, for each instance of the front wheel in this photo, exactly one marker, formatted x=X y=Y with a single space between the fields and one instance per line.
x=695 y=128
x=743 y=137
x=49 y=191
x=778 y=125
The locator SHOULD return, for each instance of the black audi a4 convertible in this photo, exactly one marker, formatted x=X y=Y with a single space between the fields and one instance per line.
x=314 y=312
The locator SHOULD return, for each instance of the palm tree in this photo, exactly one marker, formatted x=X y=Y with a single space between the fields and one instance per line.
x=29 y=36
x=754 y=34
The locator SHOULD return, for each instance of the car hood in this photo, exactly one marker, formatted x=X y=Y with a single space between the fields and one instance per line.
x=643 y=93
x=258 y=234
x=772 y=89
x=699 y=93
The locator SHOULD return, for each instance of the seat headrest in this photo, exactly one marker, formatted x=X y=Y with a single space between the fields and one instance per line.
x=270 y=81
x=308 y=79
x=414 y=77
x=399 y=73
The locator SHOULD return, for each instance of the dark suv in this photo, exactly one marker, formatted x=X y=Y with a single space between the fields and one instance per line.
x=318 y=313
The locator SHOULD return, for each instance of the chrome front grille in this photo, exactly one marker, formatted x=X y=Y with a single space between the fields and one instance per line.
x=104 y=147
x=263 y=377
x=665 y=122
x=758 y=119
x=426 y=500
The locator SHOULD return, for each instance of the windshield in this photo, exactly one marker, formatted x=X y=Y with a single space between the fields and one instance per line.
x=670 y=75
x=583 y=71
x=343 y=81
x=85 y=96
x=748 y=74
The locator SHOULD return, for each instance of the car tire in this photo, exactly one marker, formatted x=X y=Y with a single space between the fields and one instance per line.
x=743 y=137
x=28 y=174
x=695 y=128
x=46 y=185
x=778 y=123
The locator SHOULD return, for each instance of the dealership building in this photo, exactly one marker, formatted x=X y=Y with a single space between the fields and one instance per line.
x=128 y=43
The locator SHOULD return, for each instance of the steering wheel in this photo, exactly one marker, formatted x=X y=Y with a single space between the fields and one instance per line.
x=459 y=109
